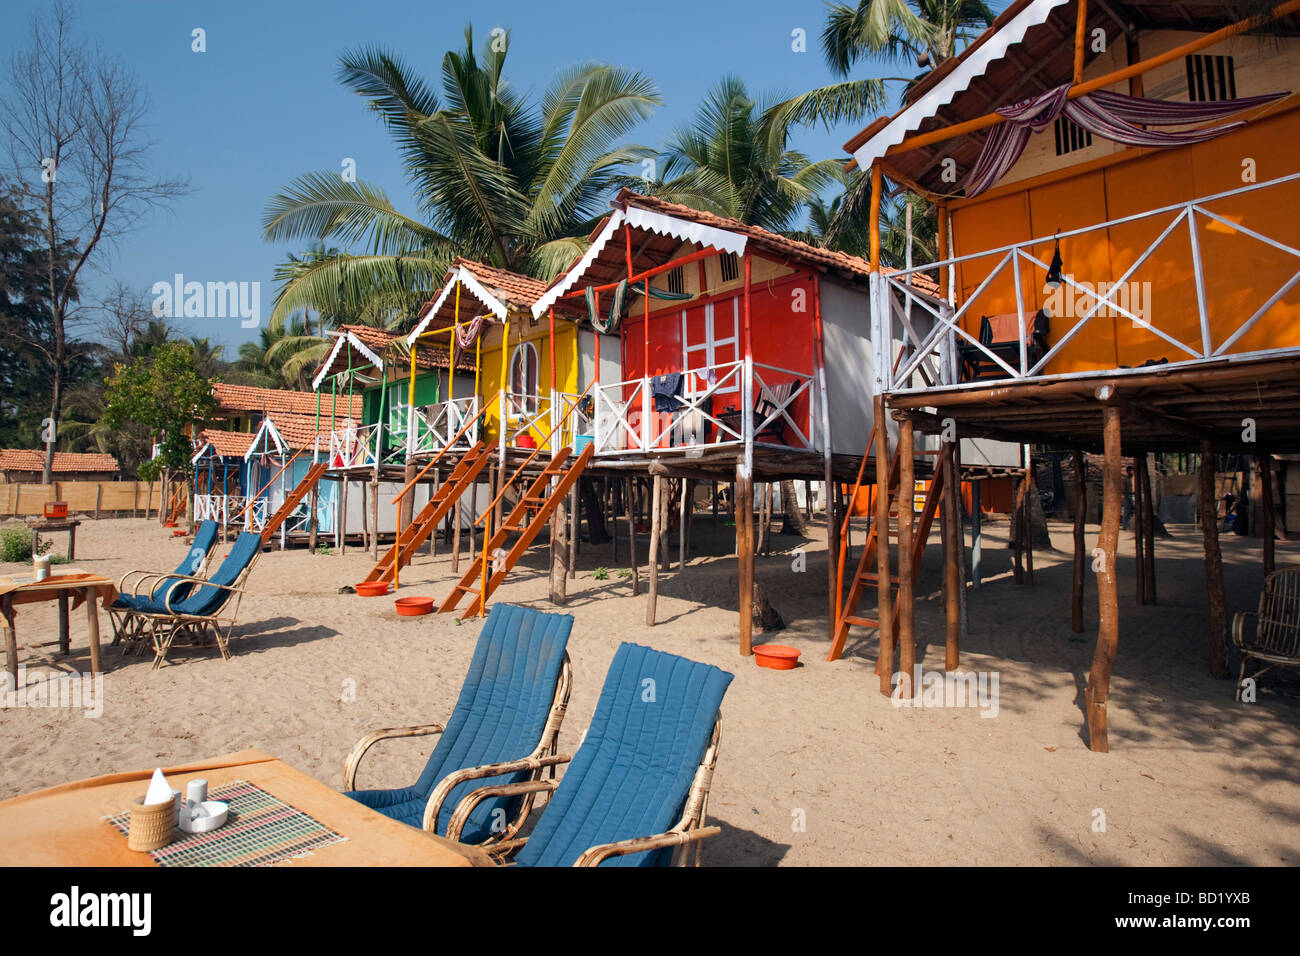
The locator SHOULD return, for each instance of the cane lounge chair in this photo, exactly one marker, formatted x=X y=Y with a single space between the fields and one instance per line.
x=504 y=730
x=203 y=610
x=1277 y=630
x=139 y=588
x=638 y=788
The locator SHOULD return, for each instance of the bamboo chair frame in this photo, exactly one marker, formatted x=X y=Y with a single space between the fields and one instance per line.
x=128 y=629
x=1277 y=632
x=687 y=833
x=218 y=626
x=545 y=755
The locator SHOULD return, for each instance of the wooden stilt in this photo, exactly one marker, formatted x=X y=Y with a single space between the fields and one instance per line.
x=559 y=584
x=1098 y=690
x=343 y=515
x=833 y=521
x=951 y=564
x=575 y=528
x=409 y=500
x=1018 y=532
x=681 y=528
x=976 y=534
x=744 y=502
x=656 y=512
x=906 y=608
x=630 y=510
x=1266 y=507
x=1139 y=536
x=374 y=519
x=1213 y=565
x=611 y=497
x=313 y=522
x=1148 y=535
x=885 y=664
x=1080 y=548
x=1027 y=528
x=455 y=539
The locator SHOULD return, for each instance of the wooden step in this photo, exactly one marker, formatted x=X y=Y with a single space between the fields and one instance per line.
x=862 y=621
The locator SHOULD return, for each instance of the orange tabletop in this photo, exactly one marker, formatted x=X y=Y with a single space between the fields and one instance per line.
x=65 y=825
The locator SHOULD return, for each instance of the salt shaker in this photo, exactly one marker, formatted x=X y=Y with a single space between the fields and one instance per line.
x=197 y=791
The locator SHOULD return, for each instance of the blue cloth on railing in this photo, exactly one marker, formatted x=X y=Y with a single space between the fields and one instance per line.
x=665 y=389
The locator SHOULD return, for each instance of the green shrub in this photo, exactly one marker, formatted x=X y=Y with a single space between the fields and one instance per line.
x=601 y=574
x=16 y=544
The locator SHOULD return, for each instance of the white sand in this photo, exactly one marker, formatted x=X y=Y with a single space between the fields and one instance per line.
x=1193 y=777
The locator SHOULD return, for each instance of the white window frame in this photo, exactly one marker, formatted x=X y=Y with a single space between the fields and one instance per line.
x=712 y=344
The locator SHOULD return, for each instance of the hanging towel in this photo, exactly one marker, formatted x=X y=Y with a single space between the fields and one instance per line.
x=665 y=389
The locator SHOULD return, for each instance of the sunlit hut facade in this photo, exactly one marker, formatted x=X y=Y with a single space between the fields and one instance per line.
x=725 y=353
x=1116 y=185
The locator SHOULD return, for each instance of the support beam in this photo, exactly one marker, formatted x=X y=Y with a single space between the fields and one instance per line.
x=877 y=188
x=906 y=602
x=951 y=562
x=1148 y=534
x=629 y=508
x=976 y=535
x=744 y=500
x=559 y=581
x=1097 y=692
x=1218 y=617
x=656 y=530
x=1266 y=506
x=1080 y=548
x=885 y=664
x=1080 y=39
x=1139 y=534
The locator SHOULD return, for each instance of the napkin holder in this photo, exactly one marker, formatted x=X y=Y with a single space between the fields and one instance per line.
x=151 y=825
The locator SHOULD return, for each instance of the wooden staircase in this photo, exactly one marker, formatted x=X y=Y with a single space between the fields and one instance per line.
x=527 y=518
x=431 y=515
x=294 y=499
x=866 y=575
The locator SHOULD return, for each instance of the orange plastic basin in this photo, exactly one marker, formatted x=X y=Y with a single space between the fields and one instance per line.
x=776 y=656
x=413 y=606
x=372 y=588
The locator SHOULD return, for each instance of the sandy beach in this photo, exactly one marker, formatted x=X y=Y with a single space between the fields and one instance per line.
x=816 y=766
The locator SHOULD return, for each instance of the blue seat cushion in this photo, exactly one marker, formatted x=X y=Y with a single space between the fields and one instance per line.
x=631 y=776
x=499 y=717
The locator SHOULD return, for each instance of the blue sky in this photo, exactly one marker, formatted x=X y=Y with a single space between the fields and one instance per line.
x=261 y=105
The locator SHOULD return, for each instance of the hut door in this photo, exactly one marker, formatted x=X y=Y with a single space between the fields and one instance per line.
x=710 y=339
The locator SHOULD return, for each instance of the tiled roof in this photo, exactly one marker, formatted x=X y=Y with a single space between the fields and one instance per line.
x=299 y=431
x=511 y=288
x=770 y=241
x=27 y=459
x=427 y=356
x=246 y=398
x=227 y=444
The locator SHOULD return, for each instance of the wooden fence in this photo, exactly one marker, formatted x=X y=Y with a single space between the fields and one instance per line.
x=83 y=497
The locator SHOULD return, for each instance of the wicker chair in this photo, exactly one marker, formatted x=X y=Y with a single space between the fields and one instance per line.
x=139 y=588
x=205 y=610
x=1277 y=631
x=505 y=729
x=637 y=791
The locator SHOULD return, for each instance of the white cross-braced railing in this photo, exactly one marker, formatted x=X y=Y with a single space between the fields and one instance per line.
x=930 y=334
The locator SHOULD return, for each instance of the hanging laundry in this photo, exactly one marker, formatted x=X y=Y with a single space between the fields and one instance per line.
x=665 y=389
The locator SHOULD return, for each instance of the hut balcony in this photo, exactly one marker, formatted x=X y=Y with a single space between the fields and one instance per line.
x=1204 y=282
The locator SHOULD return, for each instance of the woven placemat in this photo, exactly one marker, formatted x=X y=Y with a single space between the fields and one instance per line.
x=261 y=829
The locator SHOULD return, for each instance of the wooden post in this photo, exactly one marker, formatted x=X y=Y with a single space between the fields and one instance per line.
x=681 y=527
x=1098 y=690
x=832 y=555
x=1266 y=505
x=656 y=511
x=885 y=664
x=407 y=502
x=455 y=539
x=1213 y=565
x=1080 y=549
x=574 y=529
x=343 y=514
x=951 y=562
x=560 y=553
x=1148 y=535
x=744 y=501
x=99 y=497
x=312 y=522
x=612 y=488
x=630 y=511
x=906 y=605
x=1027 y=529
x=374 y=519
x=1139 y=537
x=64 y=642
x=976 y=535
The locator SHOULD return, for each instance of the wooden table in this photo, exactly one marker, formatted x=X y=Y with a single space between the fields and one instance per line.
x=55 y=524
x=68 y=583
x=64 y=825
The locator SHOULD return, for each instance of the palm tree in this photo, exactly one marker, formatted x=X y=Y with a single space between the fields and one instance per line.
x=495 y=177
x=734 y=160
x=925 y=31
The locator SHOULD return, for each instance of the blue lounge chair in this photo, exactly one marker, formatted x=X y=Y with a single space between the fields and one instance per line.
x=639 y=785
x=505 y=729
x=138 y=589
x=203 y=609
